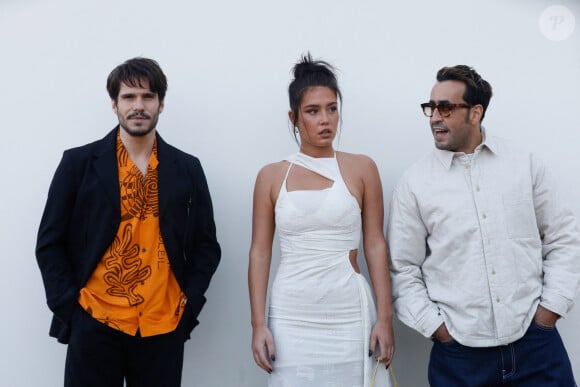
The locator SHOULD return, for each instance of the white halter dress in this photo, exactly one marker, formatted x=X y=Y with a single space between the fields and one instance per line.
x=321 y=311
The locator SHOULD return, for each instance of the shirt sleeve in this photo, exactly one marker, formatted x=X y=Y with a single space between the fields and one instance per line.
x=407 y=238
x=560 y=237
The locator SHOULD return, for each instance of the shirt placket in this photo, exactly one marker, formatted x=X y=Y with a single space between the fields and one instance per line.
x=480 y=193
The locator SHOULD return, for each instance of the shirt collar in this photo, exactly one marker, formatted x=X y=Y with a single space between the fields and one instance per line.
x=153 y=160
x=446 y=157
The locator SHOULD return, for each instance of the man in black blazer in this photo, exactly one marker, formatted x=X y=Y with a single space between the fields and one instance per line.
x=127 y=244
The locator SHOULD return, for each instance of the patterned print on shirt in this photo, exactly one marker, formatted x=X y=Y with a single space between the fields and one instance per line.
x=138 y=197
x=124 y=268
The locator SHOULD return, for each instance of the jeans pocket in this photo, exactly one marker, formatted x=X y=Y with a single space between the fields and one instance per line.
x=541 y=327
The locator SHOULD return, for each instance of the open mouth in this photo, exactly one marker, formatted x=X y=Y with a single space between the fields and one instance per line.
x=437 y=131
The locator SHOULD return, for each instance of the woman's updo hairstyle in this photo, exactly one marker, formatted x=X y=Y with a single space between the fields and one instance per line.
x=310 y=73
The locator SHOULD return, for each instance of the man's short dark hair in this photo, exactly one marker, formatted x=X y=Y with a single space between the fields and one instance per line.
x=133 y=73
x=477 y=90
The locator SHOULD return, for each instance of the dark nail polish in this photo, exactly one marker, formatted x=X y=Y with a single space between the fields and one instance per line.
x=370 y=353
x=273 y=357
x=269 y=372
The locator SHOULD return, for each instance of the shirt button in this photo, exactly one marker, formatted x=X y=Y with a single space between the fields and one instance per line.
x=493 y=272
x=497 y=299
x=477 y=188
x=484 y=216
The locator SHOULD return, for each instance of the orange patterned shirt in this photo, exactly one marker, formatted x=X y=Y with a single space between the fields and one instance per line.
x=133 y=287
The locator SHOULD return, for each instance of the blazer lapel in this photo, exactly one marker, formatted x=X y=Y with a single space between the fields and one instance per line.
x=167 y=173
x=105 y=164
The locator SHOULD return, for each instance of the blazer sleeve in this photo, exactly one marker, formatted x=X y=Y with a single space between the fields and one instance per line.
x=202 y=253
x=51 y=246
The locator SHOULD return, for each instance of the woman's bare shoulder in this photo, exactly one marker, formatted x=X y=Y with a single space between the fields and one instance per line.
x=356 y=160
x=273 y=170
x=271 y=176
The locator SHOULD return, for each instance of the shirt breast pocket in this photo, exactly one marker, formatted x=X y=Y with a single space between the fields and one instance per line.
x=520 y=216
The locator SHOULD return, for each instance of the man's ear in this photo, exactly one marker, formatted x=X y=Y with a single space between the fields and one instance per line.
x=476 y=113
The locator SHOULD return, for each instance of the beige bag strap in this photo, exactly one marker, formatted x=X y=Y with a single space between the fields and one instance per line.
x=391 y=373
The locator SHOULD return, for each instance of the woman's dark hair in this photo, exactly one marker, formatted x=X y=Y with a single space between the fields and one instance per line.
x=310 y=73
x=477 y=90
x=133 y=72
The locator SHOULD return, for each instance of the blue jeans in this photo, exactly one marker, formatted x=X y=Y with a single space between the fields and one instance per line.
x=538 y=359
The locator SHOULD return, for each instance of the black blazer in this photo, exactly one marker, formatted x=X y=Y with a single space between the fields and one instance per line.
x=82 y=216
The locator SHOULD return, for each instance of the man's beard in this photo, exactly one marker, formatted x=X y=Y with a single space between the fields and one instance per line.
x=142 y=130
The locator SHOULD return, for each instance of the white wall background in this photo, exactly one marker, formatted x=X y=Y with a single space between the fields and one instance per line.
x=228 y=64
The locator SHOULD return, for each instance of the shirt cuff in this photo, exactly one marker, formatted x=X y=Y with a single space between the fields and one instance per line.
x=429 y=324
x=555 y=303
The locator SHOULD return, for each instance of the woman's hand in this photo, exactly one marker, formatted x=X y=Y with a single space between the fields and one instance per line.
x=383 y=339
x=263 y=348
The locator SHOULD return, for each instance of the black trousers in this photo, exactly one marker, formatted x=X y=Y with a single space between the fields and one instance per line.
x=101 y=356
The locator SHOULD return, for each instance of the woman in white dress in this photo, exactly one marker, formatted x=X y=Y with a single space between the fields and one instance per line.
x=322 y=328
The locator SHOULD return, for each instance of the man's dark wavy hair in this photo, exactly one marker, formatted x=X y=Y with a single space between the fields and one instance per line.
x=477 y=90
x=133 y=73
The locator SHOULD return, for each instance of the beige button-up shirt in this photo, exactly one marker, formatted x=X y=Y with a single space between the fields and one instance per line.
x=478 y=243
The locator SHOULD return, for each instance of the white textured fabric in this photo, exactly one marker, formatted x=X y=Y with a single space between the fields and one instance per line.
x=321 y=311
x=479 y=244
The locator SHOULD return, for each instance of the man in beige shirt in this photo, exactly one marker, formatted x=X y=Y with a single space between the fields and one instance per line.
x=485 y=257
